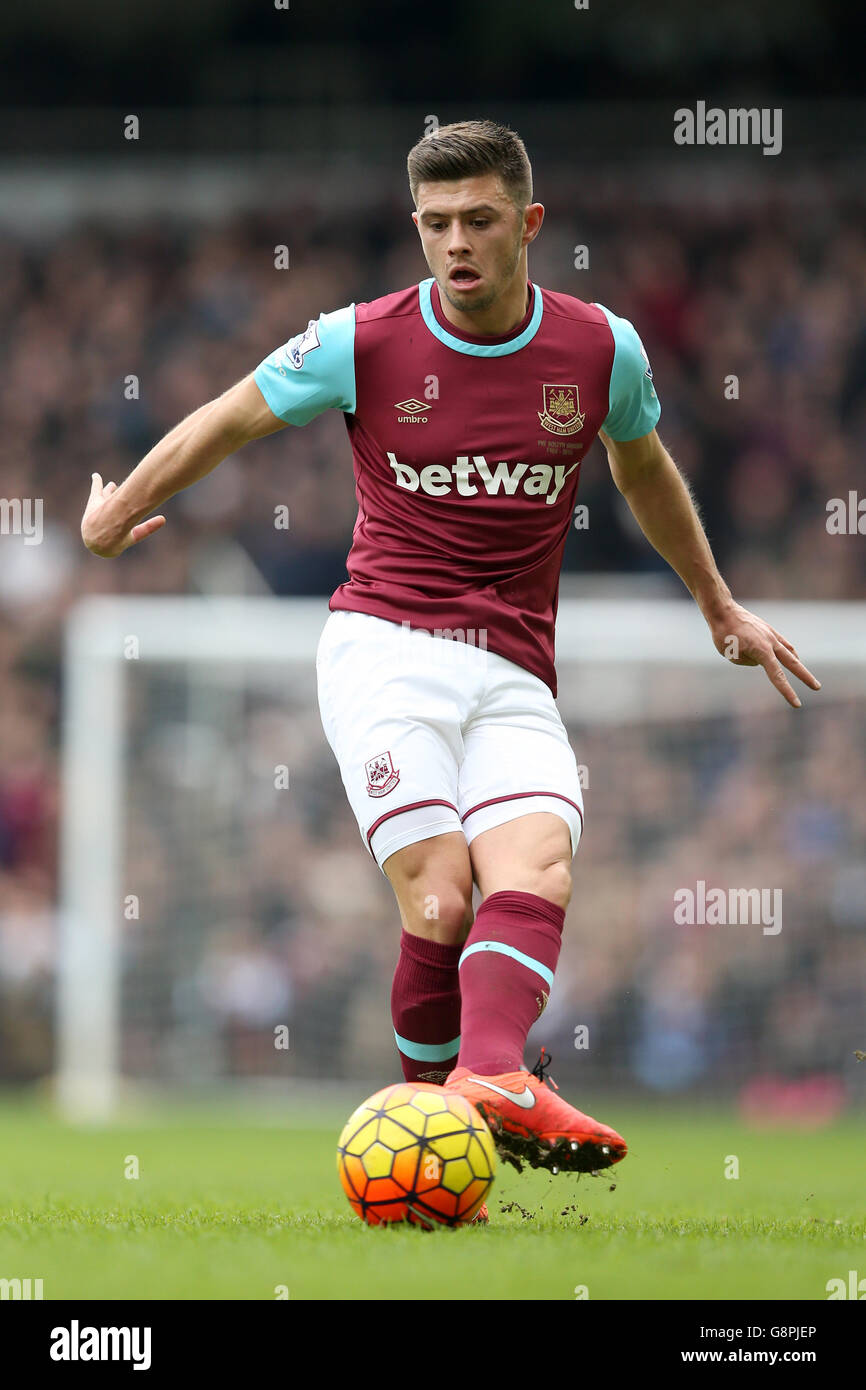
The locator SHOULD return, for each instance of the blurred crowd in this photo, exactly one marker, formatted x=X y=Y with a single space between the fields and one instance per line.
x=261 y=908
x=753 y=312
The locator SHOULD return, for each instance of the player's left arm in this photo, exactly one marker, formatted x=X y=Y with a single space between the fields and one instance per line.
x=661 y=502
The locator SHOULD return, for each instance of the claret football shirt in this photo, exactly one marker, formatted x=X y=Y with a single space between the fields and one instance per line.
x=467 y=453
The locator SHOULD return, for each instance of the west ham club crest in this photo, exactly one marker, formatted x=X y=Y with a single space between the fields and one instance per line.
x=382 y=776
x=561 y=413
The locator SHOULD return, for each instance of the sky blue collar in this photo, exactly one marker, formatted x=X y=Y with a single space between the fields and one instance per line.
x=478 y=349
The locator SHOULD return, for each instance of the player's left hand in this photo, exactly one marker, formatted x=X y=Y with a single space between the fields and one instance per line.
x=746 y=640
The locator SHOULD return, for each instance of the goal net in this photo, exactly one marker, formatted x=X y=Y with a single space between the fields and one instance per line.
x=223 y=923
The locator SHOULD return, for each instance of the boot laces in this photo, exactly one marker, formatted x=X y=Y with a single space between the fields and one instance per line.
x=540 y=1069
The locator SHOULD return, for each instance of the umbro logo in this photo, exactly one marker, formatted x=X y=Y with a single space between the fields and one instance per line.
x=414 y=412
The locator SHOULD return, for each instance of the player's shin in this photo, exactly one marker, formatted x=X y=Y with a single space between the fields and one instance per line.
x=506 y=971
x=425 y=1008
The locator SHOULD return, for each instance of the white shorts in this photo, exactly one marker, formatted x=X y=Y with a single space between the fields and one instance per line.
x=433 y=735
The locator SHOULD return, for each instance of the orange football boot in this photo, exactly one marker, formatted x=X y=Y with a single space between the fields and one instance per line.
x=531 y=1125
x=481 y=1217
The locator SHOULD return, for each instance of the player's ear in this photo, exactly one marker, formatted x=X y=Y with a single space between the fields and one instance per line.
x=532 y=219
x=415 y=218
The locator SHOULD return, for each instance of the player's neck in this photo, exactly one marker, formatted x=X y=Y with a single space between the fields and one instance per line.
x=499 y=319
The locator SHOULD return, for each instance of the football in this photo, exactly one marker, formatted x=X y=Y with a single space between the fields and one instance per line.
x=416 y=1153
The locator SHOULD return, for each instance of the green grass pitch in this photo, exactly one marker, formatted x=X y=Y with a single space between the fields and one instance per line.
x=231 y=1210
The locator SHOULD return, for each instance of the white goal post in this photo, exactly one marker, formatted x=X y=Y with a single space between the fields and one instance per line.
x=605 y=650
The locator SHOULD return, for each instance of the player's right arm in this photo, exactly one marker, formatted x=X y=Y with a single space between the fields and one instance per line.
x=313 y=372
x=114 y=518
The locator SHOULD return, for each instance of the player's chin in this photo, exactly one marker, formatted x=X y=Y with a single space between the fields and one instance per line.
x=477 y=295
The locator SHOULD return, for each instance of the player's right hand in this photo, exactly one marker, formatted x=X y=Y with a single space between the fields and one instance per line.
x=100 y=532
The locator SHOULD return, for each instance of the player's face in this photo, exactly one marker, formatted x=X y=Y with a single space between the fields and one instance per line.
x=473 y=238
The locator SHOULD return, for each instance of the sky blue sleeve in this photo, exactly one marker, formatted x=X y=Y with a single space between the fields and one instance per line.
x=312 y=372
x=634 y=405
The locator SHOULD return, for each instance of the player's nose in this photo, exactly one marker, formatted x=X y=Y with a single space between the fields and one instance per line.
x=458 y=242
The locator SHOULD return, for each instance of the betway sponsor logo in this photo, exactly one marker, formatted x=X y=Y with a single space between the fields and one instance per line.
x=470 y=475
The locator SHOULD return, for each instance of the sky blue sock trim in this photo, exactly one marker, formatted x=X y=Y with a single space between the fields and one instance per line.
x=428 y=1052
x=500 y=946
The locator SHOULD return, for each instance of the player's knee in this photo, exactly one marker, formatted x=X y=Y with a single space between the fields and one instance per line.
x=433 y=885
x=560 y=883
x=554 y=883
x=441 y=911
x=551 y=881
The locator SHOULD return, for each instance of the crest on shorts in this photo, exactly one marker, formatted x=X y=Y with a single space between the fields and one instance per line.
x=562 y=413
x=382 y=776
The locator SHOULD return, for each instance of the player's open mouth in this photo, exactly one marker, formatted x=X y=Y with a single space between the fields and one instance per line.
x=464 y=278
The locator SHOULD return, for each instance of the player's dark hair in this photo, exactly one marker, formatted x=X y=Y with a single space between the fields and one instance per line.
x=465 y=148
